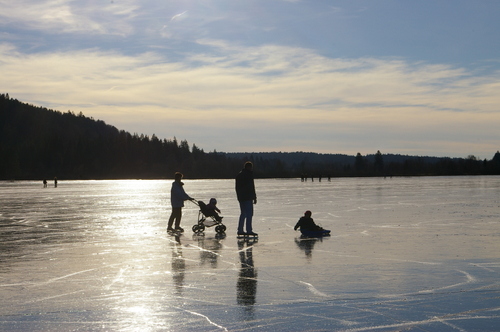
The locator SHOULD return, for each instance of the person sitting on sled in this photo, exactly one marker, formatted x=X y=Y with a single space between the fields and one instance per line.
x=212 y=210
x=306 y=223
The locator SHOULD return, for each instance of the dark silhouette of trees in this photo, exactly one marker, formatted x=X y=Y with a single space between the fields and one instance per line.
x=298 y=164
x=360 y=163
x=379 y=163
x=37 y=143
x=494 y=165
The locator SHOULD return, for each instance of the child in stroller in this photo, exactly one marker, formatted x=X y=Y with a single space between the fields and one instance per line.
x=212 y=209
x=208 y=217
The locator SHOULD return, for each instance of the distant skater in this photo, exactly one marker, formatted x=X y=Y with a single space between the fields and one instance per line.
x=44 y=183
x=306 y=223
x=177 y=198
x=245 y=192
x=55 y=182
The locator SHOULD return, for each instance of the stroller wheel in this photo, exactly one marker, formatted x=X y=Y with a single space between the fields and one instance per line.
x=197 y=229
x=220 y=229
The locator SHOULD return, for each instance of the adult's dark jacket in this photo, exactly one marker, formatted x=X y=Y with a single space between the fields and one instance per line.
x=245 y=186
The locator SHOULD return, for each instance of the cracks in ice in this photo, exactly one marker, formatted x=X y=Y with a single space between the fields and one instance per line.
x=313 y=289
x=206 y=318
x=470 y=279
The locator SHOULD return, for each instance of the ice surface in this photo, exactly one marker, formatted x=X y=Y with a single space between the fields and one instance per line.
x=413 y=254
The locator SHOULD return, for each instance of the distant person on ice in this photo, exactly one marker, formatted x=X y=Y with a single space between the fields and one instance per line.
x=213 y=210
x=177 y=198
x=306 y=223
x=245 y=192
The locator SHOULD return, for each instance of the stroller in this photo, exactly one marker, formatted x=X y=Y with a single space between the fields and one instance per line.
x=206 y=218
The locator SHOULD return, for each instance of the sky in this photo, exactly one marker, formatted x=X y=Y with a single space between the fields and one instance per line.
x=327 y=76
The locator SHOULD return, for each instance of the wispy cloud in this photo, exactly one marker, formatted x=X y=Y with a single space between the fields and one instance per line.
x=269 y=75
x=254 y=89
x=177 y=16
x=64 y=16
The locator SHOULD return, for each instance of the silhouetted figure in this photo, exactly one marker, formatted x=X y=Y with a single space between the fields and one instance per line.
x=306 y=223
x=55 y=182
x=177 y=198
x=45 y=183
x=245 y=192
x=212 y=210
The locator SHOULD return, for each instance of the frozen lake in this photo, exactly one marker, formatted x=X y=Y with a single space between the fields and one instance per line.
x=412 y=254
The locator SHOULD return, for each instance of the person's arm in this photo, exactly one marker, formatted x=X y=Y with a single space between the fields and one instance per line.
x=297 y=225
x=186 y=196
x=253 y=191
x=181 y=193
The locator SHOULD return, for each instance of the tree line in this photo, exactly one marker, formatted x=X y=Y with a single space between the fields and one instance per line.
x=307 y=165
x=37 y=143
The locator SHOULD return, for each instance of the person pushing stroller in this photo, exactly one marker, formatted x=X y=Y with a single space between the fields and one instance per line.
x=177 y=198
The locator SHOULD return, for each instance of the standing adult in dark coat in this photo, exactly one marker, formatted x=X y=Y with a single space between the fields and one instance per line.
x=245 y=192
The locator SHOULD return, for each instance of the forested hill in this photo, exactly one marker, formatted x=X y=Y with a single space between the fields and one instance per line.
x=38 y=143
x=309 y=164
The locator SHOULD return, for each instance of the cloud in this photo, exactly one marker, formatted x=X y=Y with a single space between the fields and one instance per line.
x=64 y=16
x=178 y=16
x=267 y=98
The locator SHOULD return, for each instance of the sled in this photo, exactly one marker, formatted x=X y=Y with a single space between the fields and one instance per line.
x=318 y=233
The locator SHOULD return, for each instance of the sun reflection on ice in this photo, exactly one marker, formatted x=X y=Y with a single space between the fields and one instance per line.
x=141 y=318
x=137 y=209
x=133 y=219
